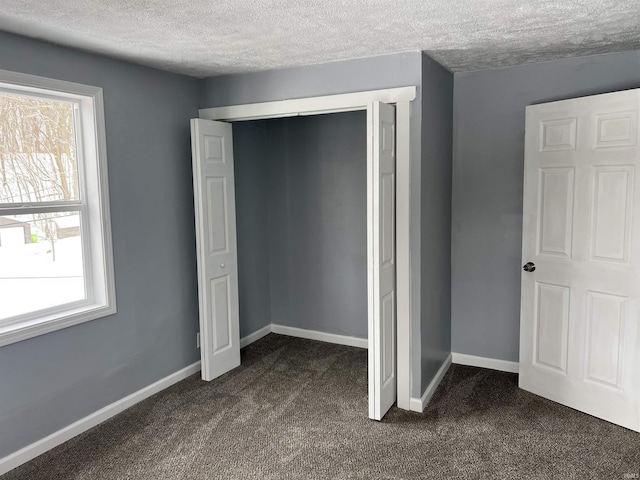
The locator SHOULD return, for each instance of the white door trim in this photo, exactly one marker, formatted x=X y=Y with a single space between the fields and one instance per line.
x=401 y=97
x=346 y=102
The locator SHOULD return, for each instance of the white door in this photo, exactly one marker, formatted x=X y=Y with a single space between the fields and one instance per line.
x=381 y=209
x=215 y=211
x=579 y=335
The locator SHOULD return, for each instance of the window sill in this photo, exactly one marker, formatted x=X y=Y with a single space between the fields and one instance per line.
x=50 y=323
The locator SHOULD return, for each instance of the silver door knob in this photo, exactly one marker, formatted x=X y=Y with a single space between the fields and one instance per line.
x=529 y=267
x=222 y=265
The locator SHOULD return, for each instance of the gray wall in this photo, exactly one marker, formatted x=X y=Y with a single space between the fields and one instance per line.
x=50 y=381
x=489 y=113
x=435 y=223
x=301 y=198
x=251 y=171
x=385 y=71
x=318 y=222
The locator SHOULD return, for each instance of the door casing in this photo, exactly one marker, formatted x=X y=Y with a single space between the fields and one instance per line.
x=401 y=98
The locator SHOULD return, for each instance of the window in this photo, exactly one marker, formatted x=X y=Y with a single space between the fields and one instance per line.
x=56 y=267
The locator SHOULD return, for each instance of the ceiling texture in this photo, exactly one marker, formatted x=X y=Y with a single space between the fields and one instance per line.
x=216 y=37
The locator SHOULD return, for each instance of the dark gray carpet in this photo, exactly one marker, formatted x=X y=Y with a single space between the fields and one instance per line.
x=297 y=409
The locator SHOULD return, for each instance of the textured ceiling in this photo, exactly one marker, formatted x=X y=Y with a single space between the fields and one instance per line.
x=214 y=37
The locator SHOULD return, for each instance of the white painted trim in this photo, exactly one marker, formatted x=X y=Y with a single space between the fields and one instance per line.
x=419 y=404
x=403 y=255
x=303 y=333
x=346 y=102
x=320 y=336
x=30 y=452
x=34 y=84
x=402 y=97
x=484 y=362
x=255 y=336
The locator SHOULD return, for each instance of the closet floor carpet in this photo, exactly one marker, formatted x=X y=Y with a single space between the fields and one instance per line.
x=297 y=409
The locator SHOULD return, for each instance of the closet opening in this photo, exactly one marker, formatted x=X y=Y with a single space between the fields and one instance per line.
x=311 y=229
x=301 y=222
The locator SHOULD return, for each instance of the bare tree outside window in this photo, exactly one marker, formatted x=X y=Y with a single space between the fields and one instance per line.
x=37 y=150
x=38 y=161
x=41 y=254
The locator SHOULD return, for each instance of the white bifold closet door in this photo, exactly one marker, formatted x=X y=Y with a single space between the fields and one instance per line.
x=381 y=207
x=580 y=325
x=217 y=259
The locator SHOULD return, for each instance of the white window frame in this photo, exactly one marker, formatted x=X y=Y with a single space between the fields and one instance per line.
x=93 y=207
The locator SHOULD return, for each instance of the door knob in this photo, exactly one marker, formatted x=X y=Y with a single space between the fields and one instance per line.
x=222 y=265
x=529 y=267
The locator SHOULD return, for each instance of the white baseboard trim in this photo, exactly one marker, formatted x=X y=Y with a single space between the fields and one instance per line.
x=255 y=336
x=303 y=333
x=484 y=362
x=419 y=404
x=30 y=452
x=320 y=336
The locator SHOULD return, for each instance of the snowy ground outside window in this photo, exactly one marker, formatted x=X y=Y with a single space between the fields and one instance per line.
x=30 y=280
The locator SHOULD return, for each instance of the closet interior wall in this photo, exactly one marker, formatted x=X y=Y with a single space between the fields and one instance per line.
x=301 y=198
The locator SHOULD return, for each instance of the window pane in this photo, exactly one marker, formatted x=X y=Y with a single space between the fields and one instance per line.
x=38 y=160
x=40 y=262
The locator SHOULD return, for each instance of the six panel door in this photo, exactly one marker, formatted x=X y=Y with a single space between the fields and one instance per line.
x=579 y=334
